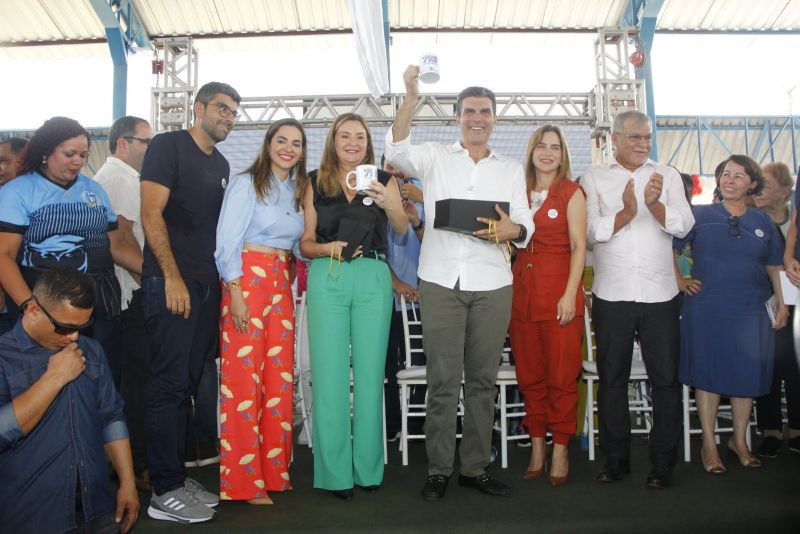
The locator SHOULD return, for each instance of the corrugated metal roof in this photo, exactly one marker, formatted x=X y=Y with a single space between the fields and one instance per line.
x=729 y=15
x=27 y=21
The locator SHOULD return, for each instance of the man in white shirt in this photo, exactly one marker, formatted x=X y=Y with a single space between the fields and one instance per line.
x=465 y=281
x=635 y=207
x=119 y=176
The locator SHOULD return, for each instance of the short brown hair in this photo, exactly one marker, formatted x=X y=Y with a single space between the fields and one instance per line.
x=751 y=168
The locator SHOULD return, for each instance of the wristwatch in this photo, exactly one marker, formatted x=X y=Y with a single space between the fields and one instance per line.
x=523 y=233
x=418 y=227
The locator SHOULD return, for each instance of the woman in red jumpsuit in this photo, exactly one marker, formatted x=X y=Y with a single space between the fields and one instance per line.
x=546 y=327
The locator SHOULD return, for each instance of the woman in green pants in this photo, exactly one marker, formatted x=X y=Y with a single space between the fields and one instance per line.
x=349 y=306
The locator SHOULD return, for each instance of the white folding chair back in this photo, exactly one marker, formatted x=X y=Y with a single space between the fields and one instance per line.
x=506 y=379
x=302 y=370
x=723 y=424
x=411 y=375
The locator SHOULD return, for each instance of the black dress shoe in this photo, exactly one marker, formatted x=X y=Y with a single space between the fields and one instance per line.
x=770 y=447
x=612 y=473
x=486 y=484
x=659 y=478
x=434 y=487
x=345 y=494
x=371 y=489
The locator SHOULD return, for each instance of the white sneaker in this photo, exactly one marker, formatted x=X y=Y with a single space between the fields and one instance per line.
x=203 y=495
x=179 y=505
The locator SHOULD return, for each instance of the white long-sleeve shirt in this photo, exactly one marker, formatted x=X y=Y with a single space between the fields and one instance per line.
x=635 y=264
x=121 y=182
x=449 y=172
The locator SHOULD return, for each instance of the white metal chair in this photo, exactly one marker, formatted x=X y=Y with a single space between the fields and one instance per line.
x=638 y=404
x=414 y=375
x=304 y=378
x=302 y=368
x=724 y=422
x=507 y=378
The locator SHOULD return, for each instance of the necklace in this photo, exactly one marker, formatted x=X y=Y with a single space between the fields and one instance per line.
x=538 y=198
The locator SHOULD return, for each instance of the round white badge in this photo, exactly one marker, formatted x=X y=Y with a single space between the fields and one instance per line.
x=759 y=232
x=552 y=213
x=367 y=201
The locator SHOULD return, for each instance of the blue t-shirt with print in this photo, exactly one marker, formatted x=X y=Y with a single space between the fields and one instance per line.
x=60 y=225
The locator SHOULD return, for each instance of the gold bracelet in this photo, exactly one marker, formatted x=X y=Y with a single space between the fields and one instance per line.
x=234 y=284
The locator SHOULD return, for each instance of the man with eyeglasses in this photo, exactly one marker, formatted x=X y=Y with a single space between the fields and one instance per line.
x=60 y=415
x=182 y=185
x=128 y=139
x=635 y=207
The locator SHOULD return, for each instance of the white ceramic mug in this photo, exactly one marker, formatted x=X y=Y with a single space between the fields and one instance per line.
x=429 y=68
x=364 y=176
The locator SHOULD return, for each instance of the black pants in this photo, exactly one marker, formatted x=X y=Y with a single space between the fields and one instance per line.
x=786 y=371
x=135 y=377
x=178 y=351
x=658 y=330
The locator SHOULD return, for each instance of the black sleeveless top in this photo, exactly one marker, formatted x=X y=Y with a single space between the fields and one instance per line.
x=331 y=210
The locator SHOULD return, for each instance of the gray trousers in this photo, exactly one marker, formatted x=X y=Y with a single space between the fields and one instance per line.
x=463 y=334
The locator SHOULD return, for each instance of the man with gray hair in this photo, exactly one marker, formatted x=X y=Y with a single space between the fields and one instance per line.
x=635 y=207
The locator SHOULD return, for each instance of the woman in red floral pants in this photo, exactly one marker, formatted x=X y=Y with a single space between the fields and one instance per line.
x=258 y=227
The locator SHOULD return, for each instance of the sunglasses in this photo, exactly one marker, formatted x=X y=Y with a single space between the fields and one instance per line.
x=62 y=329
x=733 y=226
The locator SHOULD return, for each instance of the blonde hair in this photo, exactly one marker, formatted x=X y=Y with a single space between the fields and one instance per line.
x=328 y=173
x=563 y=172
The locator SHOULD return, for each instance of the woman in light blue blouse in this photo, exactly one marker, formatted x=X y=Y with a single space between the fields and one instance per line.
x=258 y=228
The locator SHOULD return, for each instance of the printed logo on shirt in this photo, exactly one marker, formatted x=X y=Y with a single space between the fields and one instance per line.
x=759 y=232
x=552 y=213
x=224 y=183
x=89 y=198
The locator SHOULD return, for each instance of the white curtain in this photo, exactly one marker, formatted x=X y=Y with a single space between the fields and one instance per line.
x=367 y=17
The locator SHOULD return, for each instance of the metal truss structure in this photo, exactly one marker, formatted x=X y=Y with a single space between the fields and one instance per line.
x=322 y=110
x=171 y=101
x=700 y=143
x=617 y=87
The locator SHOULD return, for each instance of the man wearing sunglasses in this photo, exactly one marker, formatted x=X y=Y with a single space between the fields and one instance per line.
x=128 y=140
x=59 y=413
x=183 y=182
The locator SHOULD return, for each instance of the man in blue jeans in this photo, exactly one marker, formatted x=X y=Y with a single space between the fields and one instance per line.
x=182 y=185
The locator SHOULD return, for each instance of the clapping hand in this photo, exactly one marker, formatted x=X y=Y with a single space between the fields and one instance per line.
x=652 y=192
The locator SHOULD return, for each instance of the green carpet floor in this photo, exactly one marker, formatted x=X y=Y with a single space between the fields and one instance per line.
x=762 y=501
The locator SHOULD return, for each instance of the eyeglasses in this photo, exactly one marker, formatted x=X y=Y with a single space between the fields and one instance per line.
x=733 y=226
x=130 y=138
x=225 y=111
x=62 y=329
x=638 y=138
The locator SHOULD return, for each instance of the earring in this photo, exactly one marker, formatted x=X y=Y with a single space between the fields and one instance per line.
x=44 y=162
